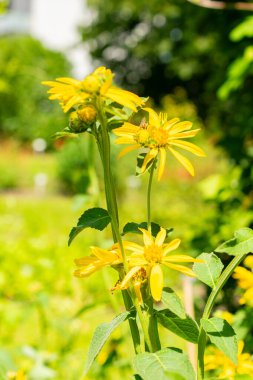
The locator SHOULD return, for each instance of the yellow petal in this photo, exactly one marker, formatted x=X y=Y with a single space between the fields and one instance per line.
x=105 y=87
x=125 y=140
x=170 y=123
x=129 y=276
x=147 y=237
x=149 y=156
x=161 y=163
x=156 y=282
x=126 y=129
x=183 y=126
x=128 y=149
x=184 y=135
x=135 y=261
x=82 y=261
x=71 y=81
x=181 y=268
x=183 y=160
x=181 y=259
x=189 y=146
x=103 y=254
x=133 y=246
x=160 y=237
x=153 y=117
x=174 y=244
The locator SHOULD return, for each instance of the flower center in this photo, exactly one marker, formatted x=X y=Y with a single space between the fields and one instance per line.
x=159 y=136
x=153 y=254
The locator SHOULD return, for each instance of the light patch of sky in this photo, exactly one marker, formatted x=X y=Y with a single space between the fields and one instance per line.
x=55 y=23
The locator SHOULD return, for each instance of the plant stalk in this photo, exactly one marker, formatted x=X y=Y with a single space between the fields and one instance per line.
x=208 y=309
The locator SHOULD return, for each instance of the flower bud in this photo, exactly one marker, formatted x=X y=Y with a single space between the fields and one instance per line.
x=91 y=84
x=76 y=124
x=87 y=114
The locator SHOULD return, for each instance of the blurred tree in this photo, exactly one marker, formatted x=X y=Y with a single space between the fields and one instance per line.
x=25 y=111
x=157 y=47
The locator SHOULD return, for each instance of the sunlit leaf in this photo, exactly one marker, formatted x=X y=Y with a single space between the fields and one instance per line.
x=209 y=271
x=172 y=302
x=242 y=243
x=222 y=335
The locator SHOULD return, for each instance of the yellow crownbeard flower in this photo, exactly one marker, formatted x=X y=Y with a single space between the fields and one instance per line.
x=71 y=92
x=151 y=256
x=99 y=259
x=216 y=360
x=159 y=135
x=16 y=375
x=245 y=281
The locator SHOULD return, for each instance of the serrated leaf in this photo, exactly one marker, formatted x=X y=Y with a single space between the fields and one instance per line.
x=101 y=335
x=97 y=218
x=133 y=228
x=186 y=327
x=222 y=335
x=242 y=243
x=172 y=302
x=140 y=160
x=166 y=364
x=209 y=271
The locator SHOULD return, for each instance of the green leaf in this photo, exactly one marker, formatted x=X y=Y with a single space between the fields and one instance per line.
x=101 y=335
x=242 y=243
x=209 y=271
x=186 y=327
x=222 y=335
x=167 y=364
x=134 y=228
x=172 y=302
x=140 y=160
x=97 y=218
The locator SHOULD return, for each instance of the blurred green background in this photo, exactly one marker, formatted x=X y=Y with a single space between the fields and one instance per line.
x=195 y=64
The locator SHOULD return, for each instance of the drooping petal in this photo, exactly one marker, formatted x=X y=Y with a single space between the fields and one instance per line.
x=103 y=254
x=149 y=156
x=181 y=268
x=171 y=246
x=105 y=86
x=128 y=149
x=160 y=237
x=129 y=276
x=183 y=160
x=137 y=261
x=188 y=146
x=83 y=261
x=147 y=237
x=161 y=162
x=156 y=282
x=153 y=117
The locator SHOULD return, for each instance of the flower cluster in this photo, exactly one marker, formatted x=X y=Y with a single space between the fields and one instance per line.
x=245 y=281
x=144 y=262
x=95 y=87
x=228 y=370
x=158 y=135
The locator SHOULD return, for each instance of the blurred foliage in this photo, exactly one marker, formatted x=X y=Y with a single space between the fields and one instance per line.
x=172 y=44
x=25 y=111
x=73 y=166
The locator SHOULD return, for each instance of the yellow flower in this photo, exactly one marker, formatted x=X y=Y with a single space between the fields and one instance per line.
x=99 y=259
x=16 y=375
x=71 y=92
x=225 y=315
x=151 y=256
x=158 y=135
x=216 y=360
x=245 y=281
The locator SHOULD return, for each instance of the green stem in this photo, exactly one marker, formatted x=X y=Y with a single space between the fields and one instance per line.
x=208 y=309
x=104 y=149
x=144 y=323
x=149 y=195
x=153 y=325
